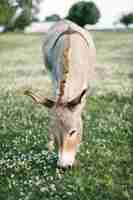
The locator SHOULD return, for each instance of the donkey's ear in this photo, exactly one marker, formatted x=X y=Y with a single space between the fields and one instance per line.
x=76 y=100
x=40 y=100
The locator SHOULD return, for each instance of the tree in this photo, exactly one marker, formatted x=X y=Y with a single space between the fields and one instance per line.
x=25 y=16
x=16 y=14
x=23 y=19
x=127 y=19
x=30 y=10
x=53 y=17
x=6 y=12
x=83 y=13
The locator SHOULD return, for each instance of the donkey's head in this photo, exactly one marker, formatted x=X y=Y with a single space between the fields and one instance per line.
x=69 y=126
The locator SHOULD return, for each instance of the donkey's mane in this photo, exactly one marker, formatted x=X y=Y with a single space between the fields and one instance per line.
x=65 y=73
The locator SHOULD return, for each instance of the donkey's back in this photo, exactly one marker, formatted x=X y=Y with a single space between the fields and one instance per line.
x=69 y=54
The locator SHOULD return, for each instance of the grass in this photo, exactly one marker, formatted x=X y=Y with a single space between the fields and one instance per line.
x=27 y=170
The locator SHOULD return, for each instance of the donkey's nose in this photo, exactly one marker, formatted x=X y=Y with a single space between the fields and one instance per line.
x=64 y=165
x=76 y=164
x=66 y=161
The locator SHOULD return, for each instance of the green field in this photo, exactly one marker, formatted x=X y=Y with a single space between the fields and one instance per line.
x=27 y=170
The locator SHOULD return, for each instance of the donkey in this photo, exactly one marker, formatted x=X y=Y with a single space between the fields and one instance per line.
x=69 y=54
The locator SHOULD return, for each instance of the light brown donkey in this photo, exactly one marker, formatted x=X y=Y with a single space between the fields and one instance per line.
x=69 y=54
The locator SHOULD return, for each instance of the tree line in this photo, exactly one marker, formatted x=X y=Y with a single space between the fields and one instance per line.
x=16 y=14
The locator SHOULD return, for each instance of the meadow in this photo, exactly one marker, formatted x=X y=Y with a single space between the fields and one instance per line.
x=27 y=170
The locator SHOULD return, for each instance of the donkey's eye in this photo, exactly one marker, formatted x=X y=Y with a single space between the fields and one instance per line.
x=72 y=132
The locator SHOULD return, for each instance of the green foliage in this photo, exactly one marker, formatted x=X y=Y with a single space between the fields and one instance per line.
x=83 y=13
x=23 y=20
x=127 y=19
x=52 y=18
x=6 y=12
x=26 y=16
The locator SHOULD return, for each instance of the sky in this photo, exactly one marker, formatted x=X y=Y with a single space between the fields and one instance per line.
x=110 y=9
